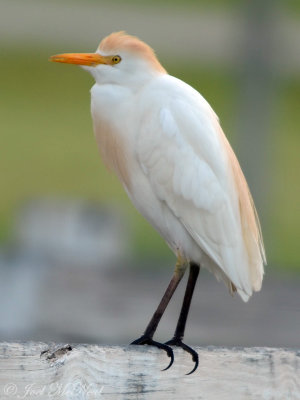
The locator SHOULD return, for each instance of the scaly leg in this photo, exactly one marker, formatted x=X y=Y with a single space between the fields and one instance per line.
x=179 y=332
x=146 y=338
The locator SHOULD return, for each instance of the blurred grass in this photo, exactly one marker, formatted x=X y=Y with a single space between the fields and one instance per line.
x=290 y=6
x=48 y=146
x=285 y=207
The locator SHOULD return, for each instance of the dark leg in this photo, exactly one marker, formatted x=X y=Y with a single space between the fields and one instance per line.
x=146 y=338
x=179 y=332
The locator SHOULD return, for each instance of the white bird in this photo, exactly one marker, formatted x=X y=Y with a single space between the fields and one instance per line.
x=165 y=143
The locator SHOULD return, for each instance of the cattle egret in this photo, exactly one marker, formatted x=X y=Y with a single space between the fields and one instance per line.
x=165 y=143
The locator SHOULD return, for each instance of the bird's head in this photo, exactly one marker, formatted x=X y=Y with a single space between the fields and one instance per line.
x=120 y=59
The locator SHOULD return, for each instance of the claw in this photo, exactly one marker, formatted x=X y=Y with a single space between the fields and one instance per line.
x=178 y=342
x=149 y=341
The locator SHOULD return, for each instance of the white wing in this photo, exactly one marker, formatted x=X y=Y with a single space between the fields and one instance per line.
x=184 y=153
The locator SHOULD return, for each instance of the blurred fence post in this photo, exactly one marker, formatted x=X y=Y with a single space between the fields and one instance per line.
x=256 y=97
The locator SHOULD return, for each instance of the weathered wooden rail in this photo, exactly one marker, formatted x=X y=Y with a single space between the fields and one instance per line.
x=86 y=372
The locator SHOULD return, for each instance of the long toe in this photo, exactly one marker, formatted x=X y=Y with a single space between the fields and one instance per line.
x=142 y=340
x=150 y=342
x=178 y=342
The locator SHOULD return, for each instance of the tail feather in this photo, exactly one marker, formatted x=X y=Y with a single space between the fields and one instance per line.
x=251 y=229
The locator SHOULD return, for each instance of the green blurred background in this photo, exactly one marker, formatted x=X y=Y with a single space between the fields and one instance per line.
x=244 y=59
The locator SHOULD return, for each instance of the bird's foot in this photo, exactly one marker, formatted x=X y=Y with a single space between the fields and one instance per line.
x=179 y=343
x=149 y=341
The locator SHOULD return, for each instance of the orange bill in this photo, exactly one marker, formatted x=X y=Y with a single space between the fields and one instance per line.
x=90 y=59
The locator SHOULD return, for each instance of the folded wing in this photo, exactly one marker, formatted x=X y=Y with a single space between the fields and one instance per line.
x=194 y=171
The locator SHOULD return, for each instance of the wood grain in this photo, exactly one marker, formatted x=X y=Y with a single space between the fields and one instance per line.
x=52 y=371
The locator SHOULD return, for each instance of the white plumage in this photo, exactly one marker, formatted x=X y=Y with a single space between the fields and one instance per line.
x=165 y=143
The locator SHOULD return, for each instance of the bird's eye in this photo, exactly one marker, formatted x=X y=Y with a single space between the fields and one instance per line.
x=115 y=59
